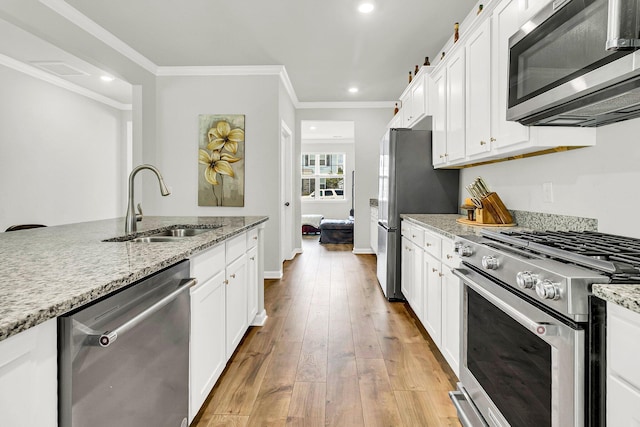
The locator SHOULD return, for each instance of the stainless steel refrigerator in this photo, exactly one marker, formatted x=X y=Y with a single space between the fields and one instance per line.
x=408 y=184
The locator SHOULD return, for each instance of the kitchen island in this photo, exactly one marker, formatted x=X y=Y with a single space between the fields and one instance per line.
x=50 y=271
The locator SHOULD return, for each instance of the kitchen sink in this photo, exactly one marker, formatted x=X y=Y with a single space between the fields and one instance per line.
x=182 y=232
x=156 y=239
x=170 y=235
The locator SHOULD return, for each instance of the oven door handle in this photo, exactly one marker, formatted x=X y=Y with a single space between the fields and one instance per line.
x=108 y=337
x=538 y=328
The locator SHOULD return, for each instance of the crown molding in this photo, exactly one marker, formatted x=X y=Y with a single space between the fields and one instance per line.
x=364 y=104
x=76 y=17
x=220 y=70
x=57 y=81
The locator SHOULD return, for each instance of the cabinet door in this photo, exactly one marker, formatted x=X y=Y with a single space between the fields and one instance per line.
x=623 y=403
x=28 y=378
x=451 y=312
x=439 y=120
x=236 y=303
x=406 y=110
x=252 y=284
x=432 y=299
x=528 y=8
x=456 y=124
x=406 y=271
x=207 y=355
x=505 y=23
x=418 y=100
x=417 y=288
x=478 y=90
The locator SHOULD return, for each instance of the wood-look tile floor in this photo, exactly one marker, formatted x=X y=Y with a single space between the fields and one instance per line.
x=333 y=352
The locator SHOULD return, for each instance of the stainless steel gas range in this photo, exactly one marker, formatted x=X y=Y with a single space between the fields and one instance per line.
x=533 y=338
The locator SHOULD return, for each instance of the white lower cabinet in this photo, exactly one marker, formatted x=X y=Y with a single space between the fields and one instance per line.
x=224 y=303
x=29 y=378
x=623 y=376
x=435 y=293
x=236 y=308
x=207 y=353
x=432 y=299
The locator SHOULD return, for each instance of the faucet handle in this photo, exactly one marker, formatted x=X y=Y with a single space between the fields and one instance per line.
x=139 y=214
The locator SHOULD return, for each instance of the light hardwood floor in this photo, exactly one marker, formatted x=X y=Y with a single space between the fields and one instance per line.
x=333 y=352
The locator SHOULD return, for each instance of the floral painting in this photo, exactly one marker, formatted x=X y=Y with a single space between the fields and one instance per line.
x=221 y=160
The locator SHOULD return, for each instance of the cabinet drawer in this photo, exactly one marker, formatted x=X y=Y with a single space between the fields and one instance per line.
x=236 y=247
x=449 y=257
x=208 y=263
x=433 y=244
x=416 y=235
x=252 y=238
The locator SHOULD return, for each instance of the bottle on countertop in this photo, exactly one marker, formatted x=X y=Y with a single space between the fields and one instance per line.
x=410 y=77
x=456 y=33
x=415 y=73
x=426 y=61
x=395 y=110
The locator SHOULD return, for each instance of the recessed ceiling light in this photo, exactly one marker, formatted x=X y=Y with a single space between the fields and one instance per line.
x=353 y=89
x=366 y=7
x=312 y=128
x=107 y=78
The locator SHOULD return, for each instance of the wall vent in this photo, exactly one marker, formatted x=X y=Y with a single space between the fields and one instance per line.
x=60 y=68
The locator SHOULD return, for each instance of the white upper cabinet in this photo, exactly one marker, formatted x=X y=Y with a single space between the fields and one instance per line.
x=439 y=119
x=505 y=23
x=478 y=90
x=414 y=100
x=467 y=93
x=456 y=124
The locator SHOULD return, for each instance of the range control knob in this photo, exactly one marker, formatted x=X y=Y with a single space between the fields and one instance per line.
x=489 y=262
x=465 y=250
x=526 y=280
x=546 y=289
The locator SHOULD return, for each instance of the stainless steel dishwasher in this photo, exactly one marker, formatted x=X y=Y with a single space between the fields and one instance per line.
x=124 y=360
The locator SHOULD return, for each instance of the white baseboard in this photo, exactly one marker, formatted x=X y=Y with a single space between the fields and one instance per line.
x=260 y=319
x=273 y=274
x=362 y=251
x=297 y=251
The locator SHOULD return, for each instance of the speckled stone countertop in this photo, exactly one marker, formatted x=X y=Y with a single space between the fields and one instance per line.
x=627 y=296
x=49 y=271
x=446 y=224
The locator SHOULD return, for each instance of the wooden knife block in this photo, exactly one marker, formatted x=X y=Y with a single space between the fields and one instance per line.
x=493 y=211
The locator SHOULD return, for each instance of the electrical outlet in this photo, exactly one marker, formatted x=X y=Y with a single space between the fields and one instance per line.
x=547 y=192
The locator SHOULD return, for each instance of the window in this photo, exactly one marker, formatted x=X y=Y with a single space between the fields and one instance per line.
x=323 y=176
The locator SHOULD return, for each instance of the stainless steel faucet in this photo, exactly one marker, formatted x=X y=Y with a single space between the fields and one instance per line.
x=131 y=218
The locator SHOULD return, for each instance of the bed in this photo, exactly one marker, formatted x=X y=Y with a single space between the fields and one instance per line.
x=311 y=224
x=336 y=230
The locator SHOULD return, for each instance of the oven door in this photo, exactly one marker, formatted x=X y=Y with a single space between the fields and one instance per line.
x=520 y=365
x=559 y=54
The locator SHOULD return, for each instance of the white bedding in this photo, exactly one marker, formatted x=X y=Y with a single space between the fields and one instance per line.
x=313 y=220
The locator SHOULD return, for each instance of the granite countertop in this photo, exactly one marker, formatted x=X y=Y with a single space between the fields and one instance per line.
x=446 y=224
x=49 y=271
x=627 y=296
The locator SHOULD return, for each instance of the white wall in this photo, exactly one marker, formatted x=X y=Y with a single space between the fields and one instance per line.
x=370 y=125
x=179 y=102
x=595 y=182
x=337 y=209
x=60 y=154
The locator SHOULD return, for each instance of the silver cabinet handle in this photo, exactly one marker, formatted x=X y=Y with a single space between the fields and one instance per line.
x=105 y=339
x=252 y=258
x=226 y=282
x=233 y=276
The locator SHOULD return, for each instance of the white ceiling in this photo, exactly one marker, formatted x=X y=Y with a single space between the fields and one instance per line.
x=326 y=46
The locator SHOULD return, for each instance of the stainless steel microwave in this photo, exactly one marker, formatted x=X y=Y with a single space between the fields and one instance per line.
x=576 y=63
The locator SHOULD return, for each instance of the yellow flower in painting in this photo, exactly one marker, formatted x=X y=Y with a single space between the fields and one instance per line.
x=223 y=137
x=217 y=163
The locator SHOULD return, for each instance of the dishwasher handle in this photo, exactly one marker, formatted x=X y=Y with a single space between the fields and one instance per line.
x=108 y=337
